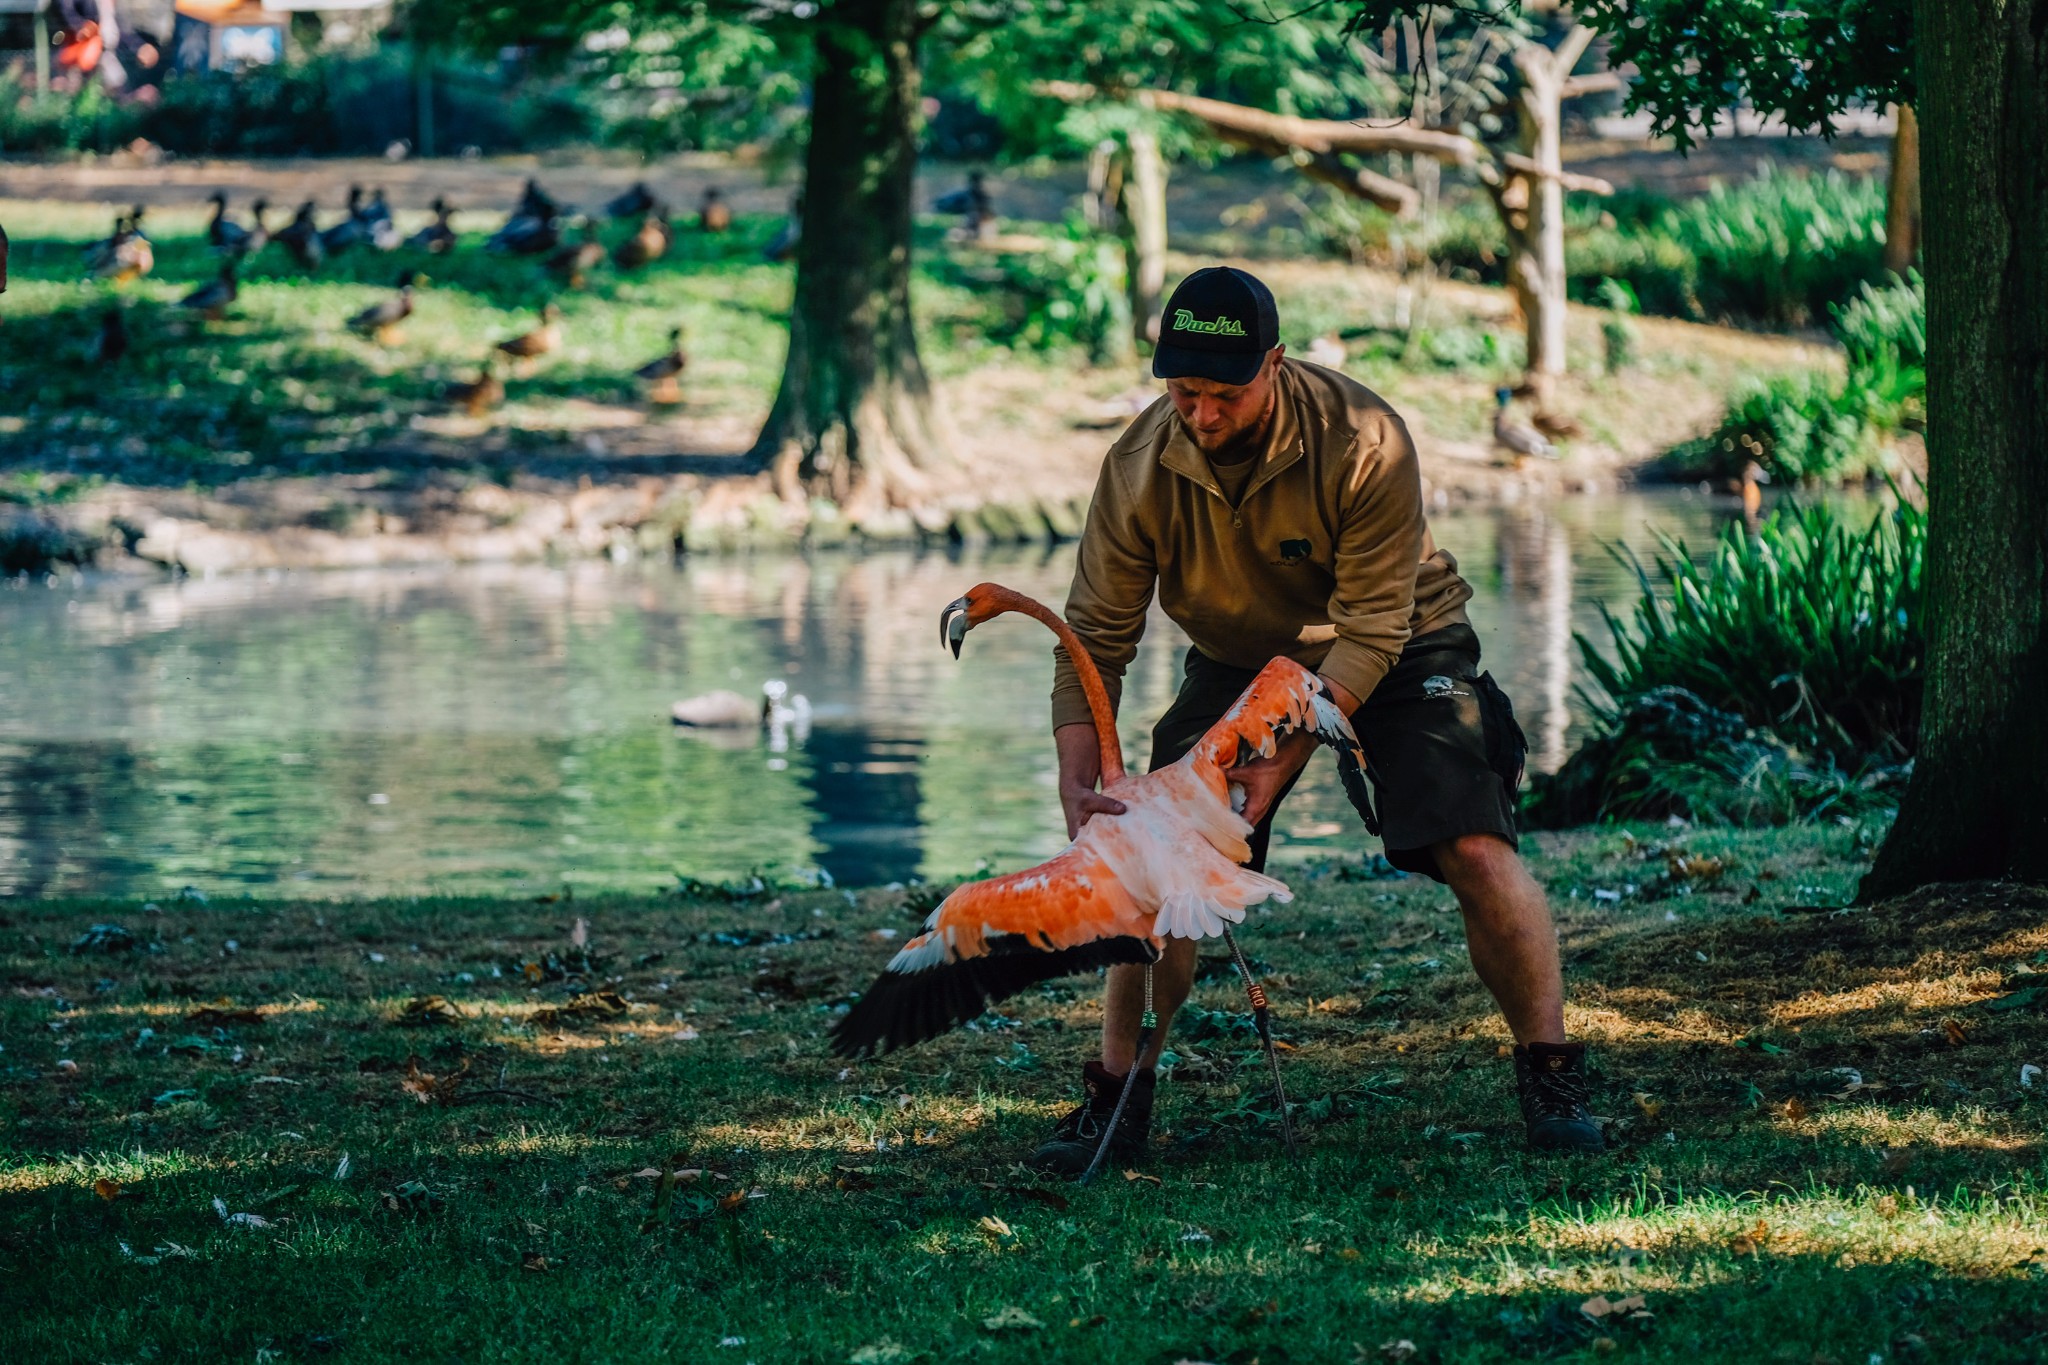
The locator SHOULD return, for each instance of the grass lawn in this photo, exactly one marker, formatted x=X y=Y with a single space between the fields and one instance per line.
x=1824 y=1150
x=281 y=386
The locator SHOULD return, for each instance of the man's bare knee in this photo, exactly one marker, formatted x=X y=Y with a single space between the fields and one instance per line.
x=1471 y=857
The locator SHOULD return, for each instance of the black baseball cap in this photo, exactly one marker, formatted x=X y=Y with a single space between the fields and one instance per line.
x=1219 y=324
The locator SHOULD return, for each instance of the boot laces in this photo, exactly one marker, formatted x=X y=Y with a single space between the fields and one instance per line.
x=1557 y=1094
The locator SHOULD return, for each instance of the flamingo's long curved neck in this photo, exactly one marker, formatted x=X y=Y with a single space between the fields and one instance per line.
x=1091 y=680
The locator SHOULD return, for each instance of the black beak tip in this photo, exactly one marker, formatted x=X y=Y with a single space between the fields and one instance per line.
x=953 y=625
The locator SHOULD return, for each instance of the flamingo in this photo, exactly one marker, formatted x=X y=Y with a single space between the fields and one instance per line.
x=1166 y=868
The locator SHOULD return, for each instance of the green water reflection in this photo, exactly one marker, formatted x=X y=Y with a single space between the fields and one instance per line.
x=504 y=727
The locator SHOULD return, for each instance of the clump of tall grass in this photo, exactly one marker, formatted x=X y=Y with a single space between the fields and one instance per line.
x=1778 y=677
x=1783 y=248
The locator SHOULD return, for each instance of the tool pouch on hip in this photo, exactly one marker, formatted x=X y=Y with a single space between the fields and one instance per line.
x=1507 y=748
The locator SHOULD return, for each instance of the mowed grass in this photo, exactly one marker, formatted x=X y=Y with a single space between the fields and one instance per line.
x=282 y=386
x=1823 y=1147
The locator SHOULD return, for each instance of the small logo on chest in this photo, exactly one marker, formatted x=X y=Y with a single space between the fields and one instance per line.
x=1294 y=551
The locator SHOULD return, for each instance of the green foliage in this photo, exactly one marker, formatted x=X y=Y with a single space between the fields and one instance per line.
x=1804 y=62
x=1776 y=680
x=1886 y=321
x=354 y=103
x=1782 y=248
x=1811 y=426
x=1810 y=627
x=1073 y=292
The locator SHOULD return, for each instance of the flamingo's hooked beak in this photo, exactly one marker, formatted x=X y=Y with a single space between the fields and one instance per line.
x=953 y=625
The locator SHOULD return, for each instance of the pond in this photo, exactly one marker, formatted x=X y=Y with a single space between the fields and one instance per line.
x=504 y=728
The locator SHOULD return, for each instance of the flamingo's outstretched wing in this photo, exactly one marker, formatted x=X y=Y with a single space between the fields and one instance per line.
x=1285 y=697
x=991 y=939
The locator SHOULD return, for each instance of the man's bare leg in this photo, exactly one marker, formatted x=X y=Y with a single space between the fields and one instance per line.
x=1123 y=1004
x=1509 y=932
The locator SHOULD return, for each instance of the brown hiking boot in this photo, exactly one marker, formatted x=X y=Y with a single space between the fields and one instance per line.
x=1076 y=1137
x=1550 y=1080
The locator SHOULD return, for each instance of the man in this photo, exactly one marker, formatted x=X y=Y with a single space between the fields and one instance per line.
x=1276 y=507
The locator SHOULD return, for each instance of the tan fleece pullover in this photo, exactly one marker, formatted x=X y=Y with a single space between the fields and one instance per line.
x=1327 y=558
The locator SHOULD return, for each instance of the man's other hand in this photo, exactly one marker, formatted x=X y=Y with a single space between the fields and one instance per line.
x=1263 y=779
x=1082 y=802
x=1080 y=772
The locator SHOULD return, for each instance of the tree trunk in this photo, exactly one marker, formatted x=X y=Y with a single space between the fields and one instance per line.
x=1532 y=208
x=854 y=420
x=1145 y=211
x=1902 y=198
x=1978 y=802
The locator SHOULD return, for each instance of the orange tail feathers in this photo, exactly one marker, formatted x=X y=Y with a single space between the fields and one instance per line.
x=985 y=601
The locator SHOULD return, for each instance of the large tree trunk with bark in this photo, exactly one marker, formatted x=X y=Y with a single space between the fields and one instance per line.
x=1978 y=802
x=854 y=419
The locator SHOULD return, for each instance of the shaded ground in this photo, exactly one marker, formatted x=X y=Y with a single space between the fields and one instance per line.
x=1825 y=1147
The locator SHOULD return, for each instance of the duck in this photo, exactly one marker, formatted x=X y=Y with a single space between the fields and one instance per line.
x=380 y=321
x=713 y=213
x=783 y=244
x=378 y=225
x=649 y=242
x=438 y=237
x=541 y=341
x=301 y=238
x=632 y=203
x=1514 y=436
x=211 y=301
x=112 y=341
x=350 y=230
x=1326 y=350
x=973 y=204
x=724 y=709
x=535 y=202
x=534 y=226
x=228 y=236
x=481 y=394
x=1753 y=475
x=661 y=373
x=124 y=256
x=573 y=260
x=259 y=231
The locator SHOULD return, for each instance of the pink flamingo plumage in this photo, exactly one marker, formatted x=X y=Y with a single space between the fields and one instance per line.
x=1167 y=867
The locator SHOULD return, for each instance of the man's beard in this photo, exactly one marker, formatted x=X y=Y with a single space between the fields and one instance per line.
x=1237 y=446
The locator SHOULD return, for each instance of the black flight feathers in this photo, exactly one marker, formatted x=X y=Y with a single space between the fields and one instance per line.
x=900 y=1010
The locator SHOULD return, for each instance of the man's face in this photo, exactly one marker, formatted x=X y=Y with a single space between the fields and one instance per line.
x=1222 y=417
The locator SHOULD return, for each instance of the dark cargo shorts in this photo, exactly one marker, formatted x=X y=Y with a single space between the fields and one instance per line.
x=1440 y=737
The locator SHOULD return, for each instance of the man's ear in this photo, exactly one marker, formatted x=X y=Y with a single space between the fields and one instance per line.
x=1274 y=356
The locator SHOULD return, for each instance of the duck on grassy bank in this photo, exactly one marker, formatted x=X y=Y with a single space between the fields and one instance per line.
x=381 y=320
x=661 y=374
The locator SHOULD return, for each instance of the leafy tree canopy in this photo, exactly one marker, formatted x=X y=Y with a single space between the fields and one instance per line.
x=1802 y=61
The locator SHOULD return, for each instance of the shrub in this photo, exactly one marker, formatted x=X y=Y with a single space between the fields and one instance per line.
x=1781 y=676
x=1807 y=426
x=1783 y=248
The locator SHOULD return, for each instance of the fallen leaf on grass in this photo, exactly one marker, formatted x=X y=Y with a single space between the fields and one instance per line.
x=423 y=1010
x=1651 y=1107
x=1954 y=1032
x=1401 y=1350
x=1795 y=1109
x=595 y=1005
x=169 y=1251
x=995 y=1227
x=1751 y=1242
x=428 y=1088
x=1011 y=1318
x=535 y=1262
x=106 y=1189
x=1140 y=1175
x=732 y=1203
